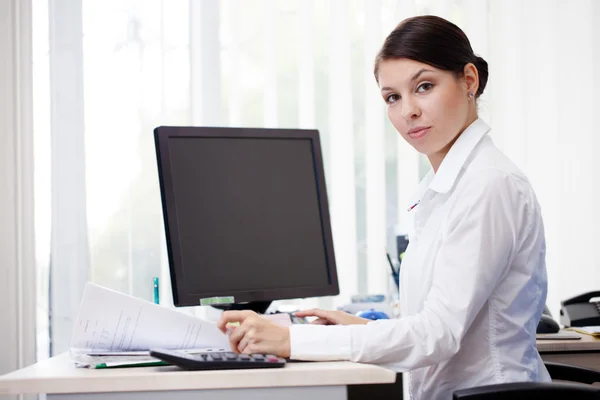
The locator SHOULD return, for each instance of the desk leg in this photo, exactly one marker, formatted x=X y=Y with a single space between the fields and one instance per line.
x=291 y=393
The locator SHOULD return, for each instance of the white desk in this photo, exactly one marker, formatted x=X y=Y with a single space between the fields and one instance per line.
x=60 y=380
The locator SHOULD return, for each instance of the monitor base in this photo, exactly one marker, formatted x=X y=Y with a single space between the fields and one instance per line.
x=259 y=307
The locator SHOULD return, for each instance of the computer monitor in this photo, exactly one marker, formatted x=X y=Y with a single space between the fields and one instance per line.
x=245 y=214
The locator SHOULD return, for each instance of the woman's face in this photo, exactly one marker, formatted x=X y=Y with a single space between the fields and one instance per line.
x=429 y=107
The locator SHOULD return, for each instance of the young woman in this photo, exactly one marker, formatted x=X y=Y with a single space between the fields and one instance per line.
x=473 y=282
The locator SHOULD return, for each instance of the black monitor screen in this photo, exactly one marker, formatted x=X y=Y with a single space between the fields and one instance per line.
x=245 y=215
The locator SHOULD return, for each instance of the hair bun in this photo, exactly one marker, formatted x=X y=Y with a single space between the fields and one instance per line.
x=482 y=68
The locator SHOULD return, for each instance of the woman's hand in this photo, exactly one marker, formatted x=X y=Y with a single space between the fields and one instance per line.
x=255 y=334
x=326 y=317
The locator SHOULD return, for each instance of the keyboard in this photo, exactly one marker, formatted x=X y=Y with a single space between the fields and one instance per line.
x=217 y=360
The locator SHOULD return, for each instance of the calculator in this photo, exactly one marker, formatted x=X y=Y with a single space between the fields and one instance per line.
x=217 y=360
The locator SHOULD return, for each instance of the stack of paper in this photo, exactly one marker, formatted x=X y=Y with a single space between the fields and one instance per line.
x=114 y=329
x=588 y=330
x=117 y=360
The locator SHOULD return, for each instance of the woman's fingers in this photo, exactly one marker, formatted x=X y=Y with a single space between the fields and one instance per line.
x=243 y=344
x=321 y=321
x=315 y=312
x=235 y=336
x=232 y=317
x=259 y=335
x=332 y=317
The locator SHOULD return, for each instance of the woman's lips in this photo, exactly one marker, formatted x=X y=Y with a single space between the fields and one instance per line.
x=418 y=133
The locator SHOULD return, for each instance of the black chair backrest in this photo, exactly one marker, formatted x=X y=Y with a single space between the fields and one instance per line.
x=528 y=391
x=564 y=372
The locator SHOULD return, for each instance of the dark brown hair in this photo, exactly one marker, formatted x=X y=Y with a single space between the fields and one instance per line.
x=435 y=41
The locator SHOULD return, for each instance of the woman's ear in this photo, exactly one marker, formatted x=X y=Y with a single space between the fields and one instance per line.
x=471 y=77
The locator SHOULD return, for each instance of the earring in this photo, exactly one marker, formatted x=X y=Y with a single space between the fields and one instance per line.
x=470 y=95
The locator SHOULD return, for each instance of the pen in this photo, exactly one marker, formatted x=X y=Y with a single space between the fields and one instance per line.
x=413 y=206
x=156 y=298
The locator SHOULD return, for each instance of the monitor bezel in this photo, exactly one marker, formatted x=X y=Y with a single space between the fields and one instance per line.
x=162 y=135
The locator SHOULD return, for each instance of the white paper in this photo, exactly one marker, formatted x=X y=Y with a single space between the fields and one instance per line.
x=592 y=330
x=142 y=353
x=111 y=321
x=122 y=358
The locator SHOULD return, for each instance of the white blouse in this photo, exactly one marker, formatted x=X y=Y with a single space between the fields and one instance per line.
x=472 y=285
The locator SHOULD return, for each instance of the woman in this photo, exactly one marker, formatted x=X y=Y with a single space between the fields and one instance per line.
x=473 y=283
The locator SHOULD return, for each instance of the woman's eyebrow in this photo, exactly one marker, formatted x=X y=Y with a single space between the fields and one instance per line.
x=415 y=77
x=422 y=70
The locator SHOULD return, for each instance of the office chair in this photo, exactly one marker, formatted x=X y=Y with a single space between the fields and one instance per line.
x=546 y=391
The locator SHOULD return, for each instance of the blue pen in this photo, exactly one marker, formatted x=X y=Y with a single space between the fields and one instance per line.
x=156 y=298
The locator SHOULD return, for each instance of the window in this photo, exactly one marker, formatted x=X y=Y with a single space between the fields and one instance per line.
x=107 y=73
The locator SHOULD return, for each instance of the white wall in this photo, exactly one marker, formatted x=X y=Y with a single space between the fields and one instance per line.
x=17 y=266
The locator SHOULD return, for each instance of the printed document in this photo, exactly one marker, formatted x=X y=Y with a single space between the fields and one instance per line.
x=111 y=322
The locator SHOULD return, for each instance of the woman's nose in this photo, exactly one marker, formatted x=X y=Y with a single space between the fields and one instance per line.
x=410 y=110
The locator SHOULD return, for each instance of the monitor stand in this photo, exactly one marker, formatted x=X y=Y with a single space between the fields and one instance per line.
x=259 y=307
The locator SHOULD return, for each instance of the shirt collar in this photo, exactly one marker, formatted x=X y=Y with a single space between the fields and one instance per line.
x=448 y=171
x=446 y=175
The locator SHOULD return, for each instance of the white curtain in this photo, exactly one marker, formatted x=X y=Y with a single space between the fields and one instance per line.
x=142 y=63
x=17 y=260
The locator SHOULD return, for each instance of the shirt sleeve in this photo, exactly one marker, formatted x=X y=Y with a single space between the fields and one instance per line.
x=479 y=243
x=320 y=342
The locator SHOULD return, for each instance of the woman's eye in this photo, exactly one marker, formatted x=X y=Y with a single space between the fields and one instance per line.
x=392 y=98
x=424 y=87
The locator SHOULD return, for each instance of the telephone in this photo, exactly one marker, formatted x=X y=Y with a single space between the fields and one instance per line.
x=579 y=311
